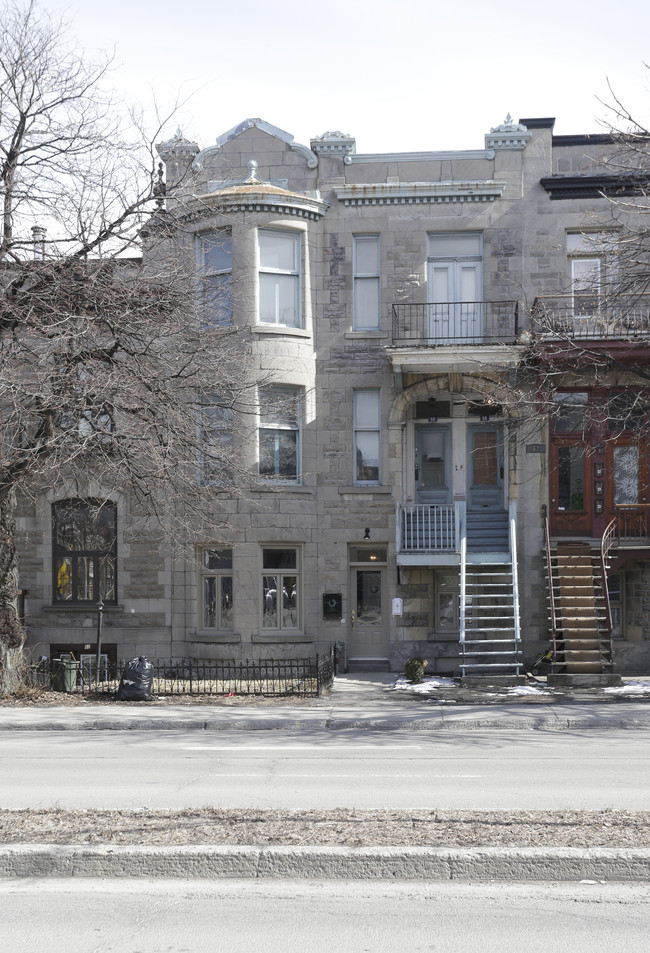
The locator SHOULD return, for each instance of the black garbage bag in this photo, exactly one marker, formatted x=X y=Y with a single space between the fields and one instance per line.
x=136 y=681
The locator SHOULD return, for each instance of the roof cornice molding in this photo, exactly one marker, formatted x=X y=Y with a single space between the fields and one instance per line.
x=207 y=153
x=595 y=186
x=420 y=193
x=357 y=158
x=291 y=204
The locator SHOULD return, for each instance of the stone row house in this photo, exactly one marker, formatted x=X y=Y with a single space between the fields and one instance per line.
x=445 y=471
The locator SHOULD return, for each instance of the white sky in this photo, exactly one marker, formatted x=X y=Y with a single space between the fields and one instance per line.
x=398 y=75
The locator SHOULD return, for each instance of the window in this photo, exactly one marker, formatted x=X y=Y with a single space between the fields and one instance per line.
x=366 y=282
x=216 y=436
x=447 y=603
x=625 y=410
x=586 y=257
x=279 y=434
x=280 y=589
x=366 y=436
x=85 y=551
x=216 y=589
x=214 y=268
x=279 y=278
x=570 y=411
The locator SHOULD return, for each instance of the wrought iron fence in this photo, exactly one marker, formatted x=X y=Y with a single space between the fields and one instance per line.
x=297 y=677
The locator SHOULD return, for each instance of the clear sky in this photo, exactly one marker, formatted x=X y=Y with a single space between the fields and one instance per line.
x=398 y=75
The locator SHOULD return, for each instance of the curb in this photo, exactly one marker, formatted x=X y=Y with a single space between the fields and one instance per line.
x=328 y=863
x=435 y=723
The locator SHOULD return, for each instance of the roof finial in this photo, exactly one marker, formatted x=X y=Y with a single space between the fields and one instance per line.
x=252 y=169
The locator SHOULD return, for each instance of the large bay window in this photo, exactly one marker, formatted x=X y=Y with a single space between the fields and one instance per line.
x=279 y=433
x=214 y=269
x=279 y=289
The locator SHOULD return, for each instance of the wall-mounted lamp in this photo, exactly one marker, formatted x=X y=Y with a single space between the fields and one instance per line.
x=366 y=533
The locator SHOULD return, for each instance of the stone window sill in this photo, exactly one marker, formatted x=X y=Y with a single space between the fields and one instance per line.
x=280 y=638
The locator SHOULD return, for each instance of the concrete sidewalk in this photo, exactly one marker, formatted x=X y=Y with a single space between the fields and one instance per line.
x=360 y=701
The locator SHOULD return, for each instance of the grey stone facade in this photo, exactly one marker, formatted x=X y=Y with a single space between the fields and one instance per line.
x=340 y=524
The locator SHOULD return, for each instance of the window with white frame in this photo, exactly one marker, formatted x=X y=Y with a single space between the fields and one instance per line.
x=365 y=263
x=279 y=289
x=591 y=262
x=280 y=588
x=367 y=436
x=216 y=589
x=279 y=433
x=216 y=442
x=214 y=270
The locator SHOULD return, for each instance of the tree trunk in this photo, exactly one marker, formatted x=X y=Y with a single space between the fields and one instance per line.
x=12 y=633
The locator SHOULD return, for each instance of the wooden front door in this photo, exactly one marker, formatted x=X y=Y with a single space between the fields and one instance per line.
x=485 y=468
x=626 y=484
x=570 y=488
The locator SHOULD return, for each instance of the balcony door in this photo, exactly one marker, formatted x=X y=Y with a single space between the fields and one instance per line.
x=455 y=288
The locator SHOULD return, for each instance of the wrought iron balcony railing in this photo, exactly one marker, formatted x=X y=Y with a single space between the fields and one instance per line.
x=592 y=317
x=456 y=322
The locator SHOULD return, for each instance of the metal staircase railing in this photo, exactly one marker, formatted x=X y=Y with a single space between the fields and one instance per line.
x=462 y=538
x=551 y=593
x=489 y=600
x=512 y=527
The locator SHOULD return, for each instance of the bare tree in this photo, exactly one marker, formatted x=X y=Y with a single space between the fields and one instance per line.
x=105 y=366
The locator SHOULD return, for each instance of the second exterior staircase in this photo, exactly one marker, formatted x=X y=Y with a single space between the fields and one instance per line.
x=490 y=639
x=581 y=630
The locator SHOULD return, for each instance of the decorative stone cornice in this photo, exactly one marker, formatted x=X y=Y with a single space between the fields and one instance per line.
x=509 y=135
x=258 y=198
x=420 y=193
x=366 y=157
x=178 y=147
x=209 y=151
x=595 y=186
x=333 y=144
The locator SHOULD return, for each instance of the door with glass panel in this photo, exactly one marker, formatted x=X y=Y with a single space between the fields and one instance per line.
x=570 y=488
x=626 y=486
x=369 y=616
x=485 y=467
x=455 y=288
x=433 y=464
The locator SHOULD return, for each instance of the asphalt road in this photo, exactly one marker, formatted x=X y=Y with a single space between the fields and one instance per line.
x=481 y=770
x=86 y=916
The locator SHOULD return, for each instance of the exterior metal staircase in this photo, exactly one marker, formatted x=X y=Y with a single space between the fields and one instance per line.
x=490 y=637
x=581 y=628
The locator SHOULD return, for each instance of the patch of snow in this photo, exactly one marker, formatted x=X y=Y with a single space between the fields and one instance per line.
x=428 y=684
x=630 y=688
x=526 y=690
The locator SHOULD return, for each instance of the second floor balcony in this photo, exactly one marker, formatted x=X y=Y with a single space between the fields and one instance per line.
x=592 y=317
x=440 y=324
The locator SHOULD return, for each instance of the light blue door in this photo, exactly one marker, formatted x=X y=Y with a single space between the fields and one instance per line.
x=433 y=464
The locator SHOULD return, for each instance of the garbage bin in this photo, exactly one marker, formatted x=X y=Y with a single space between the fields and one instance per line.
x=64 y=675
